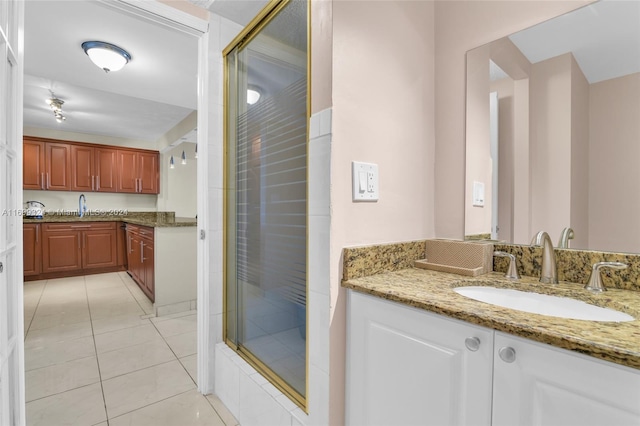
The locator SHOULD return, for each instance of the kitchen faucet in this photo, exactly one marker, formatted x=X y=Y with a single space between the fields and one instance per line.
x=82 y=205
x=549 y=274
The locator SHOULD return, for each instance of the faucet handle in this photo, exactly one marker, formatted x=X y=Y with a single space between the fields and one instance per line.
x=512 y=271
x=595 y=283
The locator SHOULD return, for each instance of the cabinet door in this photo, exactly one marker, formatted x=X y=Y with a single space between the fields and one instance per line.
x=148 y=173
x=127 y=171
x=133 y=253
x=82 y=168
x=32 y=259
x=122 y=246
x=99 y=248
x=61 y=250
x=106 y=169
x=550 y=386
x=58 y=166
x=410 y=367
x=33 y=169
x=148 y=267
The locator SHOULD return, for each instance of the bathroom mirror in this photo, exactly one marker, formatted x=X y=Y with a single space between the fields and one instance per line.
x=553 y=131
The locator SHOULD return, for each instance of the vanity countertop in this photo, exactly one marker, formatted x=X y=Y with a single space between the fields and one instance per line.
x=153 y=219
x=617 y=342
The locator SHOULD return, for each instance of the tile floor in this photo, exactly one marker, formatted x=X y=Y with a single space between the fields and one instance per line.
x=94 y=356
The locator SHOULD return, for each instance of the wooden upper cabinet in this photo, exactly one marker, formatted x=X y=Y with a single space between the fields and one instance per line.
x=33 y=171
x=58 y=166
x=106 y=169
x=148 y=172
x=46 y=165
x=83 y=172
x=139 y=172
x=128 y=171
x=73 y=166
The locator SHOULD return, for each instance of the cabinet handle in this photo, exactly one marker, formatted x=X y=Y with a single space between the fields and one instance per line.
x=42 y=180
x=141 y=251
x=97 y=183
x=48 y=181
x=92 y=186
x=472 y=343
x=129 y=244
x=507 y=354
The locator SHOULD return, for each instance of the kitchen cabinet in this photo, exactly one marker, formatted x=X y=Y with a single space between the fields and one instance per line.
x=46 y=165
x=409 y=366
x=49 y=164
x=32 y=257
x=33 y=169
x=139 y=172
x=93 y=169
x=79 y=246
x=140 y=258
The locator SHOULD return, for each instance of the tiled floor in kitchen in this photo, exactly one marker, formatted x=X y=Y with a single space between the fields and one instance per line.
x=94 y=357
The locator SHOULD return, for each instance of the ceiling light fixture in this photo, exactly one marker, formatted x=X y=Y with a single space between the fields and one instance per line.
x=253 y=95
x=56 y=107
x=184 y=157
x=171 y=165
x=107 y=56
x=196 y=154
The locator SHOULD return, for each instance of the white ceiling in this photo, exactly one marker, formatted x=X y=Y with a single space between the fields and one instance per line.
x=604 y=38
x=144 y=100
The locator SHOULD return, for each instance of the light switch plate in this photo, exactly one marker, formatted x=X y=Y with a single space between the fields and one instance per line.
x=478 y=194
x=365 y=181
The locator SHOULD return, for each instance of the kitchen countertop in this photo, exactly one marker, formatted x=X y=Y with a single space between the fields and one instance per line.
x=153 y=219
x=433 y=291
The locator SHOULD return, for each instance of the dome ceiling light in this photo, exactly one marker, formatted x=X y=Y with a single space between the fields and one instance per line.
x=106 y=56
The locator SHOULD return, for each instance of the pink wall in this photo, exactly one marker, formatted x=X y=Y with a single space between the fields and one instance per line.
x=383 y=113
x=478 y=143
x=459 y=27
x=614 y=181
x=550 y=89
x=579 y=217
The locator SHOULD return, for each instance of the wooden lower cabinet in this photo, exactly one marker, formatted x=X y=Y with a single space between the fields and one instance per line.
x=53 y=250
x=32 y=251
x=61 y=248
x=140 y=257
x=100 y=248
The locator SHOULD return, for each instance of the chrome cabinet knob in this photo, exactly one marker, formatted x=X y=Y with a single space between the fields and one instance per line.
x=507 y=354
x=472 y=343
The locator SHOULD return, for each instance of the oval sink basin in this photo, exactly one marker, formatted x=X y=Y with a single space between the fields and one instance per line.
x=542 y=304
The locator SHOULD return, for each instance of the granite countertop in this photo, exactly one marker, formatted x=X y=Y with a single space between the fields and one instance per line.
x=617 y=342
x=153 y=219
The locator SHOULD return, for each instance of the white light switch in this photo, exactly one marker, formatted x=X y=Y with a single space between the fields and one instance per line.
x=478 y=194
x=365 y=181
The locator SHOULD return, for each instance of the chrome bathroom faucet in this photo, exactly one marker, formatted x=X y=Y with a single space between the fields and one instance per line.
x=549 y=274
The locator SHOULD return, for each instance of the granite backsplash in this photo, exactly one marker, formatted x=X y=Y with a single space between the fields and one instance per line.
x=573 y=265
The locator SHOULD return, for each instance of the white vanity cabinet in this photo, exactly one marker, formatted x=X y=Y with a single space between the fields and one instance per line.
x=550 y=386
x=406 y=366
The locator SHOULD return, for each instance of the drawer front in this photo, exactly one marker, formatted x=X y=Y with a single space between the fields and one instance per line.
x=78 y=226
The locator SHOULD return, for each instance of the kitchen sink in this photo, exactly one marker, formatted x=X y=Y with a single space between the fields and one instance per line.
x=543 y=304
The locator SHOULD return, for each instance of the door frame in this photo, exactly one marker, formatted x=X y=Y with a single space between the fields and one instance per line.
x=179 y=20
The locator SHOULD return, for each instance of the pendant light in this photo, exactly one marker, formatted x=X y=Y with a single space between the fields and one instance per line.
x=171 y=165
